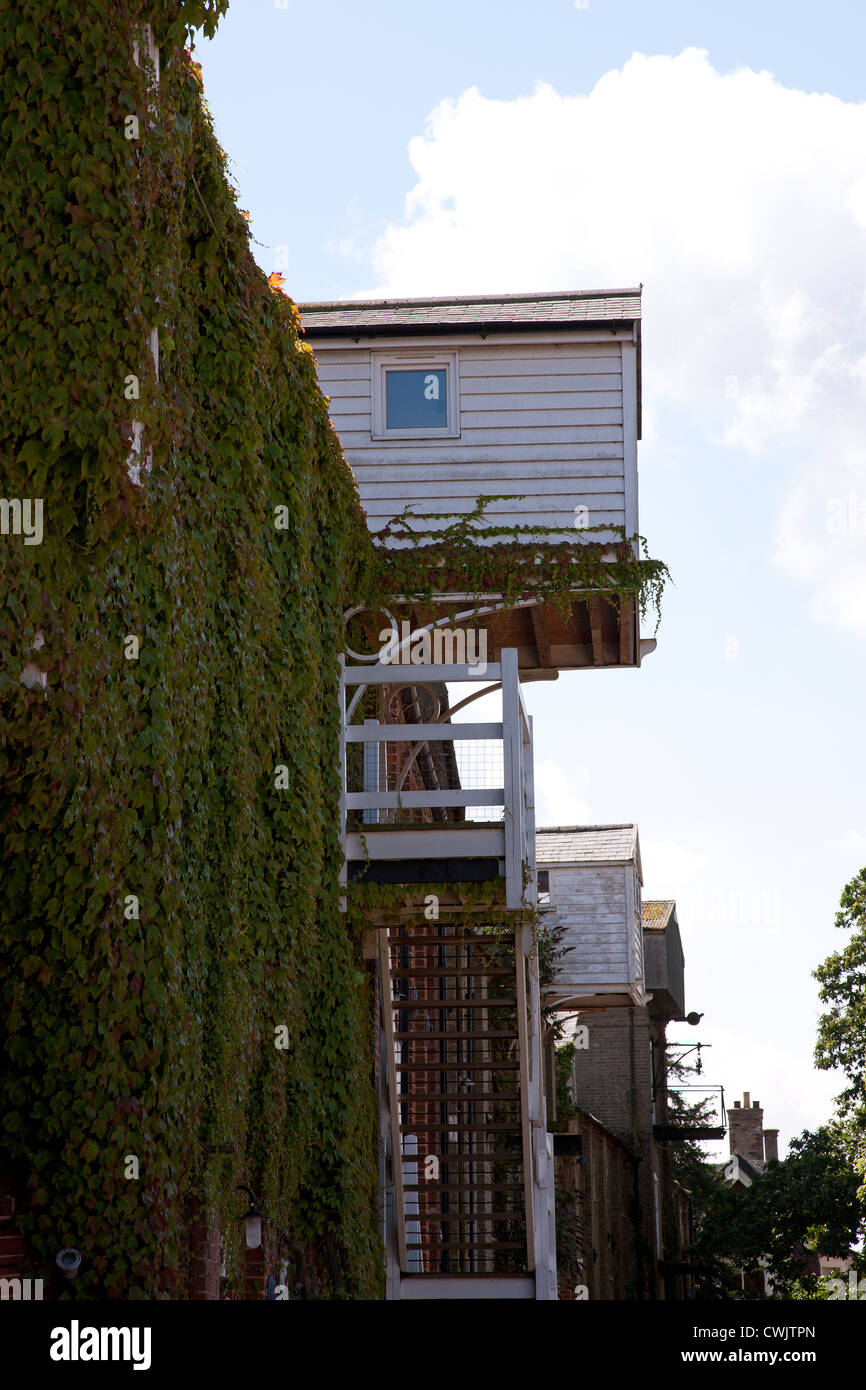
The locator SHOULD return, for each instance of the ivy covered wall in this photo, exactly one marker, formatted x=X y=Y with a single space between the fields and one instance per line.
x=168 y=804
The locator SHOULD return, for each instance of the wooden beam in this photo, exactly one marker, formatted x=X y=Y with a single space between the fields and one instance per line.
x=626 y=633
x=594 y=605
x=542 y=636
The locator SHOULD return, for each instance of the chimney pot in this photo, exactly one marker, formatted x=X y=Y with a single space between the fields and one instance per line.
x=746 y=1100
x=771 y=1144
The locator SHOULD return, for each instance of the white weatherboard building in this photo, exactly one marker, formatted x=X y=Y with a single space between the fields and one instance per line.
x=591 y=879
x=533 y=396
x=533 y=399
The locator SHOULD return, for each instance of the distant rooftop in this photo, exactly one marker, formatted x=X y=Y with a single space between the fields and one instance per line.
x=656 y=915
x=586 y=844
x=475 y=313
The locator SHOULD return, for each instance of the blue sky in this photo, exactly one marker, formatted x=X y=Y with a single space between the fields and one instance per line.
x=717 y=153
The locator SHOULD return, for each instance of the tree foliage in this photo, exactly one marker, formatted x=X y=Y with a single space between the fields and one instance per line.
x=807 y=1202
x=842 y=1029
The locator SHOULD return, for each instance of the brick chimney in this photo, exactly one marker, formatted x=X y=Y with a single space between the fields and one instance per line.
x=746 y=1130
x=771 y=1144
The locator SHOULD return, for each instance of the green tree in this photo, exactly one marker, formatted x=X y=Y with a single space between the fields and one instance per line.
x=808 y=1202
x=842 y=1030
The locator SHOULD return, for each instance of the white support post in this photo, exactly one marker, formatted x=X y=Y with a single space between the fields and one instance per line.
x=512 y=746
x=529 y=785
x=393 y=1096
x=544 y=1193
x=525 y=1093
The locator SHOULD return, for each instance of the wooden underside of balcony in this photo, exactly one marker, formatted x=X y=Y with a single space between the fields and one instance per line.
x=590 y=632
x=589 y=997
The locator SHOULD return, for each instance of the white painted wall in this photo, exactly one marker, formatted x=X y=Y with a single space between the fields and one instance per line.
x=540 y=416
x=599 y=906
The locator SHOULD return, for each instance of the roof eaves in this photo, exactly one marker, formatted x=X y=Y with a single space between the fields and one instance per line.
x=483 y=327
x=545 y=296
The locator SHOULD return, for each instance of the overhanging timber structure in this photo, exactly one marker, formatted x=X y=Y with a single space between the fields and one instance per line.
x=592 y=632
x=526 y=410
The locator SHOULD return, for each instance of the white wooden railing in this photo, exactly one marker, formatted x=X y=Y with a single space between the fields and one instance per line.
x=514 y=842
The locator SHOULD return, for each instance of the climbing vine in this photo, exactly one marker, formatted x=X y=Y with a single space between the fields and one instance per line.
x=168 y=901
x=516 y=561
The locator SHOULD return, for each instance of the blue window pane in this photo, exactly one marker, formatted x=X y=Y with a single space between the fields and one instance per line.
x=416 y=400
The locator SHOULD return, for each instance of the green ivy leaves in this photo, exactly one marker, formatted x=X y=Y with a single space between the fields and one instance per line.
x=155 y=1035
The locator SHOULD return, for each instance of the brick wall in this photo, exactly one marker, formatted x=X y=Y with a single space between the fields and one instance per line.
x=613 y=1080
x=612 y=1074
x=204 y=1274
x=746 y=1130
x=596 y=1191
x=13 y=1251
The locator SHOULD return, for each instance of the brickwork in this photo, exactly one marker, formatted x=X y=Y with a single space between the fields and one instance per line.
x=746 y=1130
x=204 y=1275
x=13 y=1251
x=612 y=1077
x=613 y=1081
x=255 y=1273
x=595 y=1193
x=621 y=1079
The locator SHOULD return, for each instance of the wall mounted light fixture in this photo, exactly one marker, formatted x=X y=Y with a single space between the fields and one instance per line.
x=252 y=1219
x=68 y=1262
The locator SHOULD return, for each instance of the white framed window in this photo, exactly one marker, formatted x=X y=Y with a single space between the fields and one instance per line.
x=415 y=395
x=545 y=890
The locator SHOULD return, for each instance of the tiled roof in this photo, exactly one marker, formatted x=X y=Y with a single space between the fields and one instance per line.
x=656 y=915
x=490 y=311
x=745 y=1165
x=586 y=844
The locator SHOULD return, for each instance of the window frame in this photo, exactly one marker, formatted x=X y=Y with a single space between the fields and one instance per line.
x=416 y=360
x=551 y=897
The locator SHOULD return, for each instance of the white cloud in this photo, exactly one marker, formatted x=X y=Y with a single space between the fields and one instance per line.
x=555 y=801
x=669 y=867
x=742 y=206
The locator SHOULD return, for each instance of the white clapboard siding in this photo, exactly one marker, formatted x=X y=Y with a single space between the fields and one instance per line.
x=595 y=905
x=536 y=403
x=346 y=389
x=636 y=928
x=541 y=423
x=513 y=384
x=459 y=486
x=540 y=460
